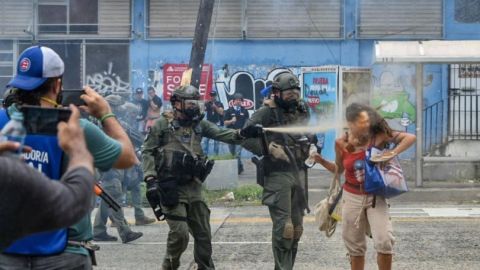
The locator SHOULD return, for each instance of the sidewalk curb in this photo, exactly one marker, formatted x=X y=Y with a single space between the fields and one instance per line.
x=417 y=195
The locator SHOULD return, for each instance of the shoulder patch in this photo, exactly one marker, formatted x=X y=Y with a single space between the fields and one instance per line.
x=168 y=115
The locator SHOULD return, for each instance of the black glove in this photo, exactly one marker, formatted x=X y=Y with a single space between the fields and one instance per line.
x=312 y=138
x=153 y=197
x=252 y=131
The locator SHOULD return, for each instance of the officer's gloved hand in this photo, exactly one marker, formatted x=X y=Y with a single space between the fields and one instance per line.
x=152 y=190
x=153 y=196
x=252 y=131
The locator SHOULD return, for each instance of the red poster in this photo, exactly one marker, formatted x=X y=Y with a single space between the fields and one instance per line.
x=172 y=77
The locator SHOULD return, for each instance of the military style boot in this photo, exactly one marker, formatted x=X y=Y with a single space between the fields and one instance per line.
x=144 y=221
x=170 y=264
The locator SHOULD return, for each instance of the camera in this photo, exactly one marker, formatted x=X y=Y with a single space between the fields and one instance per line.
x=43 y=121
x=208 y=105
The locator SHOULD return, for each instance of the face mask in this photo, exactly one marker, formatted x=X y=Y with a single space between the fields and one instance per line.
x=192 y=113
x=289 y=106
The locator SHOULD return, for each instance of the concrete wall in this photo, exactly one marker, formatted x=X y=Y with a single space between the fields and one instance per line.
x=463 y=148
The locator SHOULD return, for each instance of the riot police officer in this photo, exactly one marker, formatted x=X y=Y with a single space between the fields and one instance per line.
x=174 y=168
x=282 y=169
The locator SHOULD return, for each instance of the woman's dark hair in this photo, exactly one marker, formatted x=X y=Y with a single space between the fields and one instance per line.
x=31 y=97
x=377 y=122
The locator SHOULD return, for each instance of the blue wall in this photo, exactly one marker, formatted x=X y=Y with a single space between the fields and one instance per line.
x=259 y=58
x=455 y=30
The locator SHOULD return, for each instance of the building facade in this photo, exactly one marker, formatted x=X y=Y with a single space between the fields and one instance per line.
x=119 y=45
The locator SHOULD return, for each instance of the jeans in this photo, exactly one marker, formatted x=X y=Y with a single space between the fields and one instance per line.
x=206 y=146
x=236 y=151
x=135 y=176
x=114 y=188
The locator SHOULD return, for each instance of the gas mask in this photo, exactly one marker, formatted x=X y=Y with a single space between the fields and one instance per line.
x=288 y=100
x=193 y=110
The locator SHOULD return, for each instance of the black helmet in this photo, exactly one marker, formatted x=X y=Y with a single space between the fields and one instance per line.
x=285 y=81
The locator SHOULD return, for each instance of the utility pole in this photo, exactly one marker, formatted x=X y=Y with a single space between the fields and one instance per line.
x=200 y=39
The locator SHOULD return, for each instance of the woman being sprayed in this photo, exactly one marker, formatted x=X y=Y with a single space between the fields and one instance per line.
x=366 y=128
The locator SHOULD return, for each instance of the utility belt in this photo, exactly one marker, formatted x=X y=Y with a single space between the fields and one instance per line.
x=187 y=168
x=182 y=166
x=180 y=169
x=91 y=248
x=265 y=166
x=300 y=152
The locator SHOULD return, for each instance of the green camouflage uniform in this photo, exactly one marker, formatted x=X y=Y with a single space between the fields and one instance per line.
x=283 y=186
x=165 y=137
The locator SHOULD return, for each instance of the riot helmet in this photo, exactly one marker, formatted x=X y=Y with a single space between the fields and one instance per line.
x=115 y=102
x=191 y=107
x=288 y=87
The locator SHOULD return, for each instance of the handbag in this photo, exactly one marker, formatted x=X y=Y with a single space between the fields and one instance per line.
x=384 y=179
x=328 y=211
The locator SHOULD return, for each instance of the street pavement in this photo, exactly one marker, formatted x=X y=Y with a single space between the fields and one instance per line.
x=428 y=236
x=436 y=227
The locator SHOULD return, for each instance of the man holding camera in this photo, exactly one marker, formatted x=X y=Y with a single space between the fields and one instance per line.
x=175 y=167
x=235 y=117
x=30 y=202
x=214 y=114
x=39 y=82
x=142 y=108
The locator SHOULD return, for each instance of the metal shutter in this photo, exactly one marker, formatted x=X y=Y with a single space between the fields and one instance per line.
x=177 y=18
x=294 y=19
x=15 y=17
x=114 y=18
x=394 y=18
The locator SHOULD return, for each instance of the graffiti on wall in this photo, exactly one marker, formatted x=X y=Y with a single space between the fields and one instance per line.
x=394 y=88
x=248 y=82
x=394 y=93
x=108 y=82
x=228 y=80
x=107 y=68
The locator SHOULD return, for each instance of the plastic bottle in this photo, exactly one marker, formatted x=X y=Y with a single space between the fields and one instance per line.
x=14 y=131
x=310 y=161
x=359 y=168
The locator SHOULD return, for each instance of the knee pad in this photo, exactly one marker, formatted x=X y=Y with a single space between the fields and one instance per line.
x=297 y=232
x=288 y=231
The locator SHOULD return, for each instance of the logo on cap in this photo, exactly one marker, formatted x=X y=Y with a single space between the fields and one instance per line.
x=24 y=64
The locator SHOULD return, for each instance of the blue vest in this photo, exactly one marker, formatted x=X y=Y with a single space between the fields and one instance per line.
x=46 y=156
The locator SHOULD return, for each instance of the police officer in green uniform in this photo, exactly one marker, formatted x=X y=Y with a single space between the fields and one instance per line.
x=174 y=168
x=282 y=170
